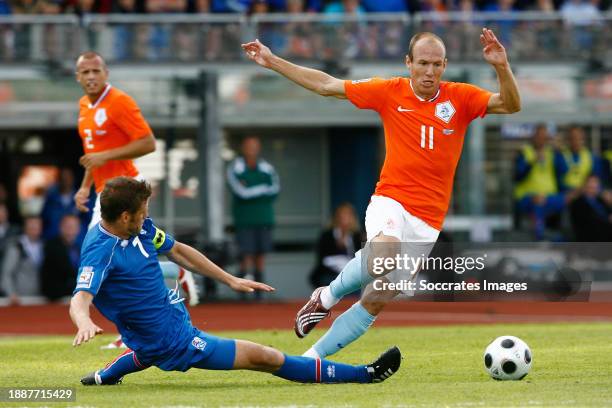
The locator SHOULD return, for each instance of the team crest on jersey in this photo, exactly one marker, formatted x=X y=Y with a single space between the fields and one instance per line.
x=86 y=277
x=445 y=111
x=100 y=117
x=198 y=343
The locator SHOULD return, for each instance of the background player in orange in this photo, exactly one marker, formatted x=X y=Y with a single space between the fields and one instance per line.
x=113 y=132
x=425 y=120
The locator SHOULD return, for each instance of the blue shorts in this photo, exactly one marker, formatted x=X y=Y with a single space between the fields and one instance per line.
x=200 y=350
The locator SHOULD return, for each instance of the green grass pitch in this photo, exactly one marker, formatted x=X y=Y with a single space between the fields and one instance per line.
x=442 y=367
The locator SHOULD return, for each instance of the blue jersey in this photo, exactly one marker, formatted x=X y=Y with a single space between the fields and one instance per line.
x=128 y=287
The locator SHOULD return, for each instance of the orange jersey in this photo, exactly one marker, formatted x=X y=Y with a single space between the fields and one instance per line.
x=114 y=120
x=423 y=139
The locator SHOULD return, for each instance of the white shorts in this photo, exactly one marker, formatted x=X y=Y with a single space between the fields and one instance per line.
x=96 y=217
x=387 y=216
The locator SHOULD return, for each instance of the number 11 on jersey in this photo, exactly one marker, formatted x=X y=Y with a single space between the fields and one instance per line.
x=424 y=131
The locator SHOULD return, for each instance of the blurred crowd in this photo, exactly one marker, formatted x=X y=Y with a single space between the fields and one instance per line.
x=562 y=189
x=581 y=29
x=40 y=255
x=575 y=9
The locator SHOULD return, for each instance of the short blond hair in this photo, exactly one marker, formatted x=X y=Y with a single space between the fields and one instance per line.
x=423 y=35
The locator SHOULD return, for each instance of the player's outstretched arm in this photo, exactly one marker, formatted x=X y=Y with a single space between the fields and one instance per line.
x=508 y=100
x=79 y=313
x=311 y=79
x=193 y=260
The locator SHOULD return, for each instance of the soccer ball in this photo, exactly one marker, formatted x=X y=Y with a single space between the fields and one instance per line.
x=507 y=358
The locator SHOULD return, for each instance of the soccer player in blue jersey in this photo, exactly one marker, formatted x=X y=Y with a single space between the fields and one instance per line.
x=120 y=275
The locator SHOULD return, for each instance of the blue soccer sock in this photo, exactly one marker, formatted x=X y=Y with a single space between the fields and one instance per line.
x=347 y=327
x=349 y=279
x=125 y=364
x=170 y=270
x=311 y=370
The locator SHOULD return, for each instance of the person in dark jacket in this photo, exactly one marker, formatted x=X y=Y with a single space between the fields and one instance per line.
x=591 y=213
x=337 y=245
x=61 y=260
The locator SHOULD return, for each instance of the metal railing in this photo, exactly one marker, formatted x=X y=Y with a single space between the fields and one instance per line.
x=528 y=36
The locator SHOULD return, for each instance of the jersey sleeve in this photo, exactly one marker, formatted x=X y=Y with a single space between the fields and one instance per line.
x=95 y=265
x=162 y=241
x=366 y=93
x=129 y=119
x=474 y=101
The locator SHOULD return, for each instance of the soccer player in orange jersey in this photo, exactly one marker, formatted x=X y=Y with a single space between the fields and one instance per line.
x=113 y=132
x=425 y=120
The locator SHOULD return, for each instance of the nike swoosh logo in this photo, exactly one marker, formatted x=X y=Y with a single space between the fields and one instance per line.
x=400 y=109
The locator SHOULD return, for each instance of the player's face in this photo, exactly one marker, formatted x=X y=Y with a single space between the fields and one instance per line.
x=92 y=75
x=427 y=66
x=135 y=221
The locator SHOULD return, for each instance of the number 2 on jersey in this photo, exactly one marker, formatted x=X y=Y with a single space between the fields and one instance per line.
x=88 y=138
x=424 y=131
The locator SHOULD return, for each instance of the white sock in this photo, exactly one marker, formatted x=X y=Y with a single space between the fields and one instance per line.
x=311 y=353
x=327 y=299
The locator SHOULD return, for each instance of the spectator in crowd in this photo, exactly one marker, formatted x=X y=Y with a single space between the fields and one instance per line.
x=302 y=40
x=129 y=39
x=344 y=7
x=591 y=213
x=337 y=246
x=437 y=6
x=61 y=259
x=581 y=16
x=198 y=6
x=83 y=7
x=8 y=232
x=5 y=7
x=230 y=6
x=505 y=27
x=385 y=6
x=59 y=202
x=580 y=12
x=254 y=185
x=22 y=261
x=344 y=37
x=606 y=167
x=160 y=35
x=578 y=163
x=536 y=192
x=25 y=7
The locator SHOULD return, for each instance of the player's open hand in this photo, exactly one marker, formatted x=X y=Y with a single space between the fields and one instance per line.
x=92 y=160
x=86 y=333
x=246 y=285
x=493 y=51
x=259 y=53
x=81 y=198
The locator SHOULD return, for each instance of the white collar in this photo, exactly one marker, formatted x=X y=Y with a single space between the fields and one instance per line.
x=101 y=97
x=422 y=99
x=110 y=234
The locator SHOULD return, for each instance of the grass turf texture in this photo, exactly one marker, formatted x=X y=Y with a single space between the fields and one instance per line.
x=442 y=367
